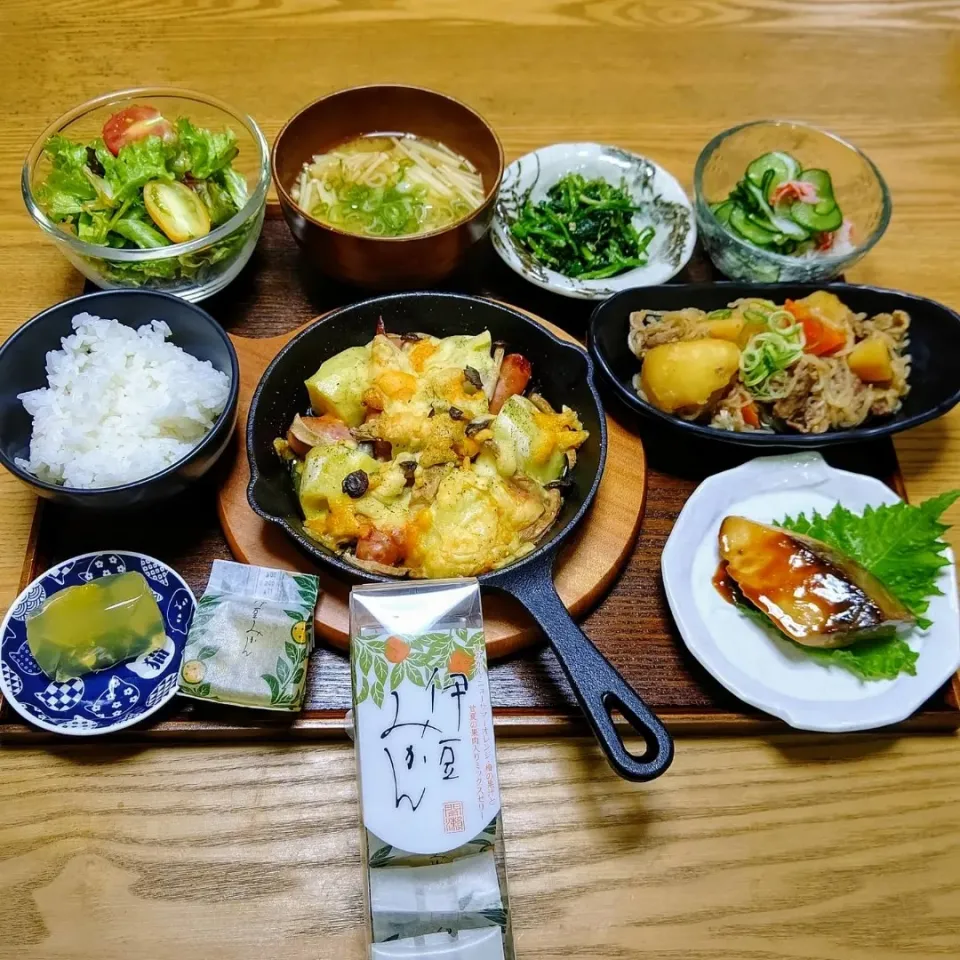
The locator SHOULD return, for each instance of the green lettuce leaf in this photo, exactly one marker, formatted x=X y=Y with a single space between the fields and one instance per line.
x=99 y=197
x=217 y=200
x=900 y=544
x=66 y=190
x=64 y=154
x=140 y=232
x=194 y=266
x=137 y=164
x=882 y=658
x=204 y=152
x=94 y=226
x=234 y=183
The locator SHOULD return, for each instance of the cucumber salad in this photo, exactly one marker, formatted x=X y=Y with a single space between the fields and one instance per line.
x=147 y=183
x=783 y=208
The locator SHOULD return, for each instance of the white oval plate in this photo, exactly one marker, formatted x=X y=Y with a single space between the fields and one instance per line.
x=666 y=208
x=770 y=674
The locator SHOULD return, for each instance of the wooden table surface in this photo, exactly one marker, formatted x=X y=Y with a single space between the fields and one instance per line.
x=800 y=848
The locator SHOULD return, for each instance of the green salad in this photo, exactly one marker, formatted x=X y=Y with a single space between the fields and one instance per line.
x=147 y=183
x=779 y=206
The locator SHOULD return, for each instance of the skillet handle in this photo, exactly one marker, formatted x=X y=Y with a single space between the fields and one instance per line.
x=597 y=685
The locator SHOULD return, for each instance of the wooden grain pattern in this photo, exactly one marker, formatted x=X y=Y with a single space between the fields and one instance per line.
x=807 y=849
x=632 y=627
x=585 y=570
x=839 y=849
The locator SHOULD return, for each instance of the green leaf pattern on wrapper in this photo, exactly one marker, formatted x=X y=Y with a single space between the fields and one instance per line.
x=382 y=854
x=287 y=676
x=420 y=658
x=242 y=616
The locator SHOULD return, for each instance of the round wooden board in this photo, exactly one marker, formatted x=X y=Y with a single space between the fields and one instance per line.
x=585 y=569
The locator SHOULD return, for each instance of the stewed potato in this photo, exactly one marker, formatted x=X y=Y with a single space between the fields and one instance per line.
x=684 y=377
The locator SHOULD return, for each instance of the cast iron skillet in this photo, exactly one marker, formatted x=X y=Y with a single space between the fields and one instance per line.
x=934 y=345
x=565 y=375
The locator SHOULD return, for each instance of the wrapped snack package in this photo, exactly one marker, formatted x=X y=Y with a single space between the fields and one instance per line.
x=251 y=637
x=429 y=794
x=464 y=945
x=94 y=626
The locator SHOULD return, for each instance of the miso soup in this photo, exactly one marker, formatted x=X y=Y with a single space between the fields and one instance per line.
x=388 y=185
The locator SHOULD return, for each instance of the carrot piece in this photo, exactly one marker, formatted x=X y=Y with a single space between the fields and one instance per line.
x=822 y=338
x=751 y=416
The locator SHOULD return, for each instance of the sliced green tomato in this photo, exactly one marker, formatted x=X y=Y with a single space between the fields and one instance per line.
x=176 y=210
x=818 y=217
x=723 y=210
x=749 y=229
x=784 y=168
x=820 y=181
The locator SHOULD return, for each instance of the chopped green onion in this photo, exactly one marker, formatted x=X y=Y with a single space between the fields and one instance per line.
x=765 y=359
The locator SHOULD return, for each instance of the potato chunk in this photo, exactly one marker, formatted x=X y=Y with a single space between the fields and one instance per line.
x=684 y=377
x=828 y=306
x=726 y=328
x=870 y=361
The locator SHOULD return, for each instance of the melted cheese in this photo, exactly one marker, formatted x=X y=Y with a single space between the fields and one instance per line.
x=472 y=507
x=475 y=524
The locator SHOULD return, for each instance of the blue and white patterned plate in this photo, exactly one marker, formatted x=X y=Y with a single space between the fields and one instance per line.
x=111 y=699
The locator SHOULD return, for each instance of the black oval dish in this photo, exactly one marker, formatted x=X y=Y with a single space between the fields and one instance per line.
x=934 y=342
x=564 y=373
x=23 y=368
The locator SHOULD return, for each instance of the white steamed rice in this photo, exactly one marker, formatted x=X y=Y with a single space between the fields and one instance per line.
x=121 y=404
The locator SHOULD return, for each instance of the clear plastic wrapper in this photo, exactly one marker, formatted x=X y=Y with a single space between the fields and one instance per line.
x=429 y=794
x=251 y=637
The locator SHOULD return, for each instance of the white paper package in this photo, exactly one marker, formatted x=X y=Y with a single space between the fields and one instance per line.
x=426 y=761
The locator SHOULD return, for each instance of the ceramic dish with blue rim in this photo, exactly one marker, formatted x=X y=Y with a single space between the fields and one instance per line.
x=656 y=240
x=108 y=700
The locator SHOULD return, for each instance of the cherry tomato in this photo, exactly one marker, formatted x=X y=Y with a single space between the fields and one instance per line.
x=132 y=124
x=176 y=210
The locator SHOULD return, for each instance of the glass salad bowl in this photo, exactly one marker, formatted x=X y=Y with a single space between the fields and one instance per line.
x=858 y=189
x=99 y=213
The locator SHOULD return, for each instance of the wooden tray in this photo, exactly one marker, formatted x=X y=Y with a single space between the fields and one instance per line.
x=585 y=570
x=632 y=626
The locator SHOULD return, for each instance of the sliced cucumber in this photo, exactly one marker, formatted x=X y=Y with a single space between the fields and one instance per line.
x=784 y=168
x=749 y=229
x=759 y=201
x=820 y=181
x=776 y=238
x=787 y=226
x=818 y=217
x=722 y=211
x=772 y=221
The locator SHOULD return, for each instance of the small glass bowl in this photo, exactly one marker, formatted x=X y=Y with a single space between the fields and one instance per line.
x=194 y=270
x=860 y=191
